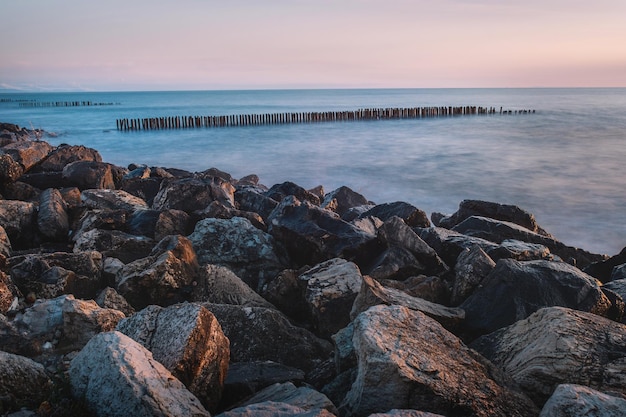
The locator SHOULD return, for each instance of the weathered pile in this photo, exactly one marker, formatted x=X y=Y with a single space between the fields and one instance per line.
x=153 y=291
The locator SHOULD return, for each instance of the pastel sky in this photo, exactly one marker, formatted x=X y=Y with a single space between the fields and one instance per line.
x=241 y=44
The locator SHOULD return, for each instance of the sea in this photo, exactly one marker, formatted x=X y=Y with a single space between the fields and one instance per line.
x=565 y=162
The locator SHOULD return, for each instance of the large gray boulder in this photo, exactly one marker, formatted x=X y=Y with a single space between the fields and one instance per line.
x=450 y=244
x=408 y=360
x=514 y=290
x=23 y=380
x=570 y=400
x=126 y=380
x=471 y=269
x=556 y=346
x=235 y=243
x=189 y=342
x=114 y=243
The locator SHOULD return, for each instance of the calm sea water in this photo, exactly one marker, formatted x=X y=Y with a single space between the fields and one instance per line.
x=565 y=163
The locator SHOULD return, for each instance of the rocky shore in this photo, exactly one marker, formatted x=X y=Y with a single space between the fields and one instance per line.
x=153 y=291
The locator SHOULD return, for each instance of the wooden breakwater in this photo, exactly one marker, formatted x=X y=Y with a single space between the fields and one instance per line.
x=64 y=104
x=185 y=122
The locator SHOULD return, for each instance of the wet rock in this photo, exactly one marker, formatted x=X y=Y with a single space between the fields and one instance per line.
x=114 y=243
x=109 y=298
x=342 y=199
x=514 y=290
x=570 y=400
x=10 y=170
x=189 y=342
x=372 y=293
x=407 y=360
x=28 y=153
x=312 y=235
x=127 y=380
x=261 y=334
x=52 y=218
x=411 y=215
x=330 y=288
x=19 y=220
x=191 y=194
x=279 y=191
x=89 y=174
x=471 y=269
x=556 y=346
x=274 y=409
x=235 y=243
x=287 y=393
x=165 y=277
x=251 y=200
x=219 y=285
x=112 y=200
x=23 y=380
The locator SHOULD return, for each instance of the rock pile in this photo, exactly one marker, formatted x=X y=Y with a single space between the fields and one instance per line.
x=152 y=291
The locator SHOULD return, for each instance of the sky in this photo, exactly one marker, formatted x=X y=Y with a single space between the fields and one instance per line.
x=129 y=45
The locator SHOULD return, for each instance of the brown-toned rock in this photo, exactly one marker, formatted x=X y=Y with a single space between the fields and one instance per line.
x=28 y=153
x=109 y=298
x=10 y=170
x=89 y=174
x=66 y=154
x=342 y=199
x=22 y=380
x=19 y=220
x=112 y=200
x=279 y=191
x=411 y=215
x=191 y=194
x=52 y=218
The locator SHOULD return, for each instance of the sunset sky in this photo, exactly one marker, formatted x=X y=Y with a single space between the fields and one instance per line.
x=240 y=44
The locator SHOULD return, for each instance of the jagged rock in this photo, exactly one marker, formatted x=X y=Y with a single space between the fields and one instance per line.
x=411 y=215
x=279 y=191
x=251 y=200
x=165 y=277
x=312 y=235
x=71 y=196
x=603 y=269
x=66 y=154
x=8 y=293
x=21 y=191
x=23 y=380
x=342 y=199
x=619 y=272
x=127 y=380
x=18 y=218
x=251 y=179
x=260 y=334
x=570 y=400
x=191 y=194
x=449 y=244
x=53 y=274
x=63 y=324
x=318 y=190
x=114 y=243
x=373 y=293
x=10 y=170
x=52 y=218
x=44 y=180
x=274 y=409
x=368 y=224
x=28 y=153
x=158 y=224
x=514 y=290
x=219 y=285
x=558 y=345
x=109 y=298
x=472 y=267
x=330 y=288
x=235 y=243
x=218 y=210
x=144 y=188
x=98 y=219
x=246 y=378
x=112 y=200
x=406 y=255
x=497 y=211
x=215 y=173
x=405 y=413
x=520 y=251
x=432 y=289
x=286 y=392
x=189 y=342
x=5 y=247
x=408 y=360
x=357 y=212
x=285 y=292
x=140 y=172
x=498 y=231
x=617 y=286
x=89 y=174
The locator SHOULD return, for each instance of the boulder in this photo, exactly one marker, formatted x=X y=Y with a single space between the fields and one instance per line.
x=342 y=199
x=127 y=380
x=144 y=188
x=520 y=251
x=432 y=289
x=274 y=409
x=312 y=235
x=219 y=285
x=21 y=191
x=514 y=290
x=498 y=231
x=103 y=199
x=218 y=210
x=56 y=160
x=372 y=293
x=571 y=400
x=286 y=293
x=5 y=247
x=165 y=277
x=10 y=170
x=44 y=180
x=114 y=243
x=89 y=174
x=189 y=342
x=8 y=293
x=617 y=286
x=19 y=220
x=252 y=200
x=619 y=272
x=558 y=345
x=405 y=413
x=471 y=269
x=235 y=243
x=408 y=360
x=28 y=153
x=603 y=269
x=61 y=324
x=449 y=244
x=53 y=274
x=279 y=191
x=411 y=215
x=330 y=288
x=191 y=194
x=287 y=393
x=52 y=218
x=261 y=334
x=22 y=380
x=109 y=298
x=98 y=219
